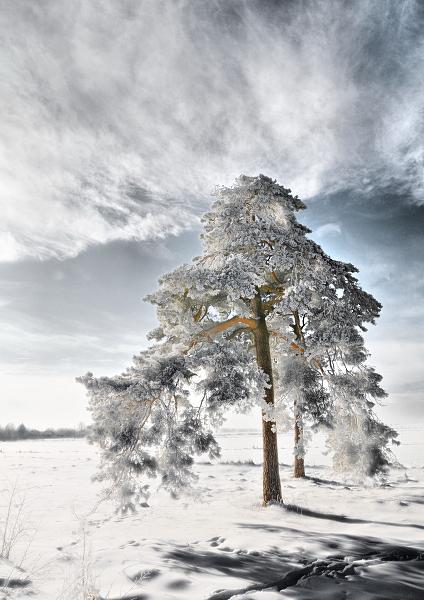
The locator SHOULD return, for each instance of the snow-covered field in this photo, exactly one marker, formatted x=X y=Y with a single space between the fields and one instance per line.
x=330 y=540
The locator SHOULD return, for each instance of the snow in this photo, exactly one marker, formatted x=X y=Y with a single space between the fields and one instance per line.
x=348 y=538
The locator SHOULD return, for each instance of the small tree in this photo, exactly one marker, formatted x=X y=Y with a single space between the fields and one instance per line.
x=223 y=319
x=22 y=432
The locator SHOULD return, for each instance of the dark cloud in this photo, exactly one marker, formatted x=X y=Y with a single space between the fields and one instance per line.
x=383 y=231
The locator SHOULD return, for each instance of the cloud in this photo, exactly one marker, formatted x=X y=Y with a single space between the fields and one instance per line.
x=120 y=117
x=328 y=229
x=28 y=347
x=85 y=313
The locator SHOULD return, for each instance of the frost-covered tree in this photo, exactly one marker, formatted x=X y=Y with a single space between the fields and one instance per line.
x=301 y=388
x=329 y=381
x=223 y=320
x=358 y=440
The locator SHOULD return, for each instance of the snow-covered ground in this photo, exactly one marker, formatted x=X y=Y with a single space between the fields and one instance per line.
x=330 y=540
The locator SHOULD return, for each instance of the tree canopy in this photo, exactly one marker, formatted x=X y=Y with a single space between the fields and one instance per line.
x=263 y=315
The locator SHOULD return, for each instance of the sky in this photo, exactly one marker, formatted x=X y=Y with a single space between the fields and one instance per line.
x=120 y=117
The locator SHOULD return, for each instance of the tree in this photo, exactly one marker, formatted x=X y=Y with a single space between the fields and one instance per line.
x=303 y=387
x=331 y=346
x=223 y=319
x=22 y=432
x=358 y=439
x=10 y=432
x=329 y=381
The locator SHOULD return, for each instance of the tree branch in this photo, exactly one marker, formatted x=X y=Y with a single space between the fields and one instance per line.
x=201 y=313
x=250 y=324
x=271 y=303
x=276 y=278
x=293 y=345
x=237 y=320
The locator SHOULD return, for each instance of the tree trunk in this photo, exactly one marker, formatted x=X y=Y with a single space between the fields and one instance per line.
x=271 y=472
x=299 y=462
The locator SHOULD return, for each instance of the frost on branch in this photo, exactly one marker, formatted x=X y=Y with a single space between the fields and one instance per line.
x=134 y=413
x=152 y=420
x=358 y=439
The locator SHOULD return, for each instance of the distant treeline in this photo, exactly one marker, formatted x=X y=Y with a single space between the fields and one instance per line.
x=10 y=432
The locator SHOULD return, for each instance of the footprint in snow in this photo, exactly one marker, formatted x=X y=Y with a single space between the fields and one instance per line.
x=216 y=541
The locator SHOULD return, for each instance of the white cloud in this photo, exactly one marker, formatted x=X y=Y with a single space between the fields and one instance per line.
x=100 y=99
x=10 y=250
x=328 y=229
x=28 y=348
